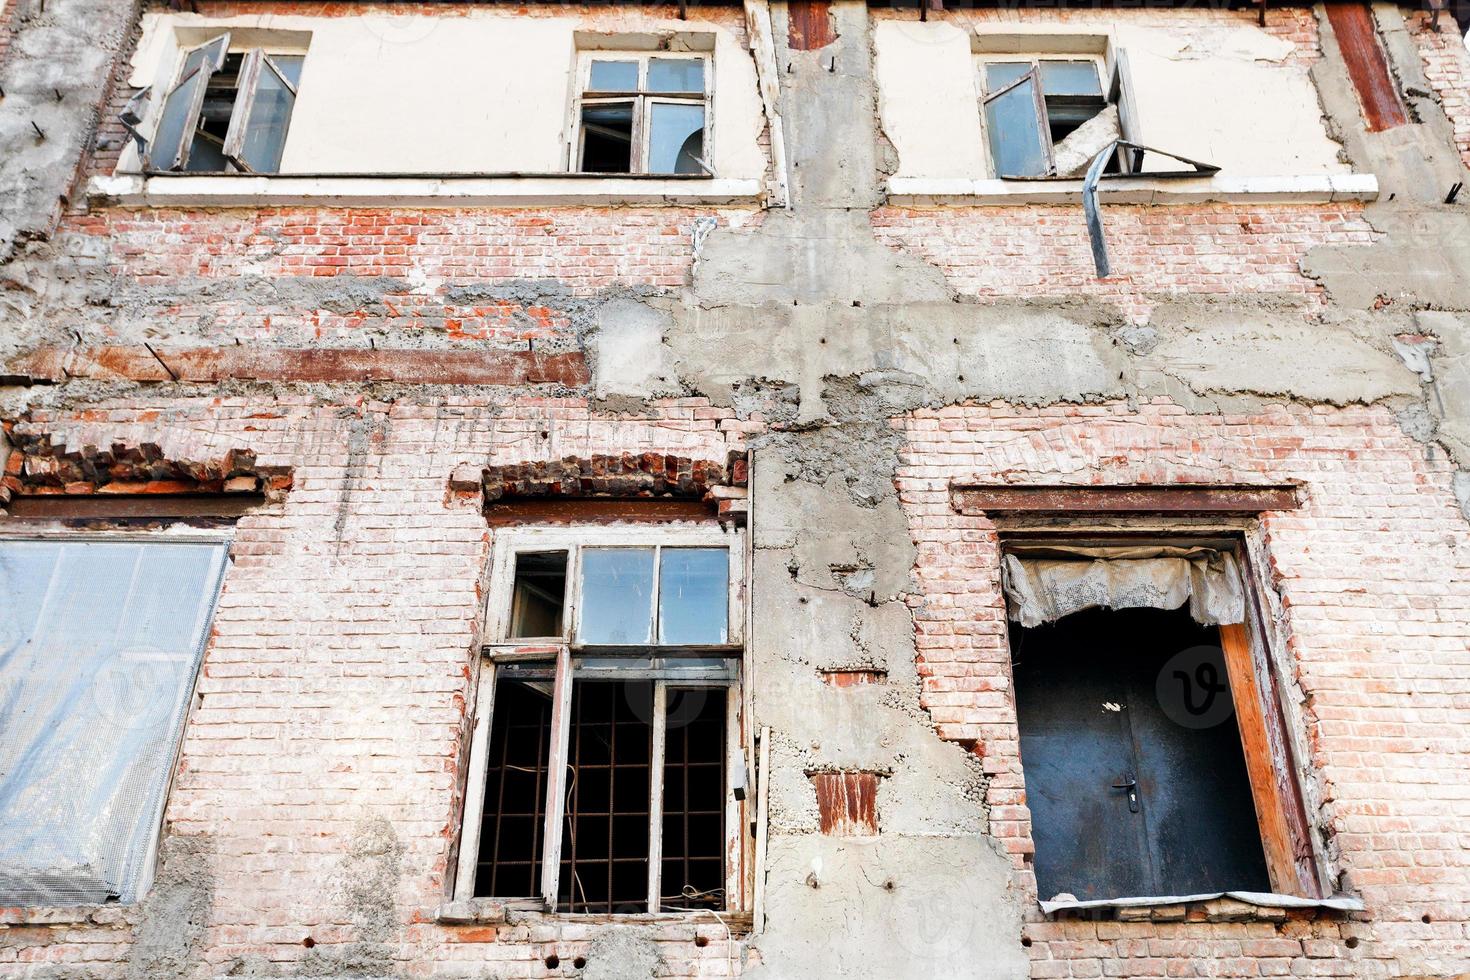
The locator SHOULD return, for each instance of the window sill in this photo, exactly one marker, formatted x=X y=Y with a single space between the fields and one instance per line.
x=1212 y=907
x=489 y=911
x=227 y=191
x=68 y=915
x=1305 y=189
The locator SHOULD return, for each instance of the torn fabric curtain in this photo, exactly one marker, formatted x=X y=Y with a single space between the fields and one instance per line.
x=100 y=642
x=1043 y=584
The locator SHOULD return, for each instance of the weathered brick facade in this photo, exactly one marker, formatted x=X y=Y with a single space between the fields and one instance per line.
x=801 y=356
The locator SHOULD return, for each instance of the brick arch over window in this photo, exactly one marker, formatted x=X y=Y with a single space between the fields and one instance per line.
x=37 y=466
x=627 y=476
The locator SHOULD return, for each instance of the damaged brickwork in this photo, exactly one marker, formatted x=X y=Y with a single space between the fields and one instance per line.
x=843 y=362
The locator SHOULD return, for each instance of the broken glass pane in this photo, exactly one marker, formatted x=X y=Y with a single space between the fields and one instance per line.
x=613 y=76
x=289 y=66
x=617 y=595
x=540 y=587
x=693 y=595
x=270 y=115
x=177 y=119
x=676 y=140
x=206 y=155
x=675 y=75
x=1016 y=143
x=1002 y=73
x=607 y=137
x=1070 y=78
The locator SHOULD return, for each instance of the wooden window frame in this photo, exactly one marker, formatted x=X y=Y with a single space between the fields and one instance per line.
x=1288 y=838
x=254 y=61
x=564 y=651
x=643 y=101
x=1112 y=73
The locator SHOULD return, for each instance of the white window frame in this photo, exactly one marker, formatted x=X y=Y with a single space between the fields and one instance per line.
x=499 y=648
x=255 y=59
x=1111 y=74
x=643 y=102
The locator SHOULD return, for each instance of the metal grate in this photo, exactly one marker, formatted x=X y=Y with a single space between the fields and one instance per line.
x=692 y=873
x=604 y=851
x=509 y=863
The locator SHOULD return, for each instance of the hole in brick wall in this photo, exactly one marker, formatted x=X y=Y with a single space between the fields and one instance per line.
x=1352 y=942
x=553 y=961
x=580 y=963
x=1425 y=919
x=701 y=941
x=308 y=942
x=1026 y=941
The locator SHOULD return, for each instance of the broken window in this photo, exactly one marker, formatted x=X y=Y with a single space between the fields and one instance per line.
x=100 y=643
x=1143 y=736
x=1048 y=117
x=601 y=779
x=642 y=113
x=229 y=111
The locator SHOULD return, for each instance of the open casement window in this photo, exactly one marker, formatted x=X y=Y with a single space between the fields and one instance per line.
x=101 y=638
x=1152 y=744
x=607 y=757
x=229 y=111
x=642 y=114
x=1050 y=116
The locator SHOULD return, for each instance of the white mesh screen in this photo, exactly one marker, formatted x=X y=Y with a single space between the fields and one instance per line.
x=100 y=642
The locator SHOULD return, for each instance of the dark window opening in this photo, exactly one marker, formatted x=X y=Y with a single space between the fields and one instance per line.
x=604 y=848
x=514 y=817
x=539 y=595
x=607 y=138
x=692 y=872
x=1135 y=775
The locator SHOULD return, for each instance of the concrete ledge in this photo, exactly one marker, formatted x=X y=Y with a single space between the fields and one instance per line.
x=212 y=191
x=1306 y=189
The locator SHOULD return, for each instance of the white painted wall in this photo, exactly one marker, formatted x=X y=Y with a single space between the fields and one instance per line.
x=485 y=92
x=1222 y=93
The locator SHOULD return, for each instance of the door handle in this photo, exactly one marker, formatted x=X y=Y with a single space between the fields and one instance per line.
x=1131 y=785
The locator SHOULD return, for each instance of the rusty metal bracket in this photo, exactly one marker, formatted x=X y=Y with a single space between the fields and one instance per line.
x=1090 y=206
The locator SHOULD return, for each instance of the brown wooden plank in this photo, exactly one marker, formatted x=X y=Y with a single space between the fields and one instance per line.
x=1367 y=66
x=1170 y=499
x=1264 y=765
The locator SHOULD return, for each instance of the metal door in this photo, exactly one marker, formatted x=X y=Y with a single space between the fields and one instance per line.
x=1133 y=790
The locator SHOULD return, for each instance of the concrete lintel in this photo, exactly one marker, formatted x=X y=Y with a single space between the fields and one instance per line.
x=211 y=191
x=1301 y=189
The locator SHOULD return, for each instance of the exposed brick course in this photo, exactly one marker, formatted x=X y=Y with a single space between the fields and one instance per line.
x=1379 y=538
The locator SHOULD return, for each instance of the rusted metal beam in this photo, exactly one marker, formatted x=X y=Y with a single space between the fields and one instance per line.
x=1179 y=498
x=1367 y=66
x=847 y=803
x=809 y=25
x=50 y=365
x=143 y=506
x=574 y=510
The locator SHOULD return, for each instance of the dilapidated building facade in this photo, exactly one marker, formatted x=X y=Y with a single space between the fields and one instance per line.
x=788 y=489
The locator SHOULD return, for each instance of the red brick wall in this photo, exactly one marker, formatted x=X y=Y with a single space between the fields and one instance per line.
x=1374 y=572
x=1447 y=69
x=1156 y=252
x=336 y=680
